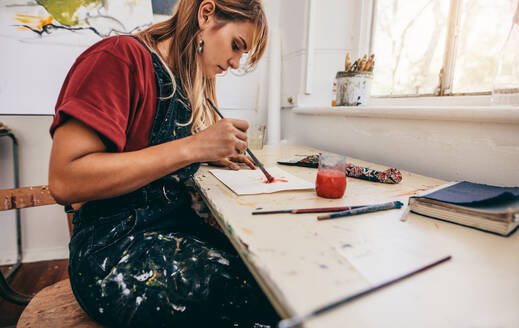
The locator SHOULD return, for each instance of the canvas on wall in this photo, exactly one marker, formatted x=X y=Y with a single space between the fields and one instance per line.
x=42 y=38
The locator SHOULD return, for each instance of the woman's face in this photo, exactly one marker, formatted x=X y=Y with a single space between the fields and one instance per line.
x=224 y=45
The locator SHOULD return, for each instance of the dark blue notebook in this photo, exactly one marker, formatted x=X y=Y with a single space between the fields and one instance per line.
x=467 y=193
x=484 y=207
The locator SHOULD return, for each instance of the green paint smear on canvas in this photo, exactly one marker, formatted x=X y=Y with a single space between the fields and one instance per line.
x=64 y=10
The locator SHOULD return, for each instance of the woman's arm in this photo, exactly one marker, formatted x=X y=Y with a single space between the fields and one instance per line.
x=81 y=169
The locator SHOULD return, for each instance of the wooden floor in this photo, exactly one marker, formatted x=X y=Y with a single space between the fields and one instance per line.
x=29 y=279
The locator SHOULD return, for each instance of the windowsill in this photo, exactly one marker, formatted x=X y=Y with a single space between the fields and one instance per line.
x=501 y=114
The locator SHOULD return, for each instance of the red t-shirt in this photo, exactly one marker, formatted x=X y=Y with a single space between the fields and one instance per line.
x=111 y=88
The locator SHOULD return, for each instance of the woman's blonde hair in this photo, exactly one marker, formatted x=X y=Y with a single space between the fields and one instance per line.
x=183 y=60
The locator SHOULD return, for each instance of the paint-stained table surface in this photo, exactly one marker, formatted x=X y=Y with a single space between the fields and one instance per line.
x=302 y=263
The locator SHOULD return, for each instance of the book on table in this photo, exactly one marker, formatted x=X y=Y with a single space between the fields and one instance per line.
x=484 y=207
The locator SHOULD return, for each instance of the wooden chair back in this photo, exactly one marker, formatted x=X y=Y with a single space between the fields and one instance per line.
x=28 y=197
x=55 y=305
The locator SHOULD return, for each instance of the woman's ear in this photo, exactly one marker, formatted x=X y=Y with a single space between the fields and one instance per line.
x=206 y=14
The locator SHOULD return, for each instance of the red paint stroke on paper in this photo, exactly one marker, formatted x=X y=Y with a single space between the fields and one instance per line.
x=275 y=180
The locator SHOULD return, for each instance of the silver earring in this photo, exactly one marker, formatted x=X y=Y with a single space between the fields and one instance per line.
x=200 y=48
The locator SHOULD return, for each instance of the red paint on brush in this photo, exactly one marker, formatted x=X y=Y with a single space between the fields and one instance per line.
x=330 y=183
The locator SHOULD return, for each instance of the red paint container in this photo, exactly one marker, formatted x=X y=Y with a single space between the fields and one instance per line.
x=331 y=176
x=330 y=183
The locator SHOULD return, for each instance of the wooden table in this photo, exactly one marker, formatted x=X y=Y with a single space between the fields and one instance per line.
x=302 y=263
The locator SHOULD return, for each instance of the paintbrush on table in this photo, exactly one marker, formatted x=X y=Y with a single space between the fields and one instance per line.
x=298 y=320
x=309 y=210
x=362 y=210
x=269 y=177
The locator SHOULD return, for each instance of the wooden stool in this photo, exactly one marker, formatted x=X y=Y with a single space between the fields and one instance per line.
x=55 y=306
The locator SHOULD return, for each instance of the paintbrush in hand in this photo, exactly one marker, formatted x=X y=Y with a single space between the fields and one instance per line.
x=269 y=177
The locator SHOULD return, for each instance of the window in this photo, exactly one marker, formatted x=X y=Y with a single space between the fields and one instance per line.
x=438 y=47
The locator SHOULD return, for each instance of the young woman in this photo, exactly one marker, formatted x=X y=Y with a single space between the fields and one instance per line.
x=132 y=125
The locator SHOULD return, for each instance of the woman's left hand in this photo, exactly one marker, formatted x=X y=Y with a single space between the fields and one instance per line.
x=232 y=162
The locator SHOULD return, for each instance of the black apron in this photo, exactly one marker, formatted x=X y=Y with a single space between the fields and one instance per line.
x=148 y=259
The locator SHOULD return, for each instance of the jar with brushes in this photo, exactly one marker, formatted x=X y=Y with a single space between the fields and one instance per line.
x=354 y=83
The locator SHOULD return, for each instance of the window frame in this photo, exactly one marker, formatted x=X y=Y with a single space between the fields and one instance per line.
x=446 y=73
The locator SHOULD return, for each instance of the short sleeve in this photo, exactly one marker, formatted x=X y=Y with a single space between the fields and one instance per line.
x=98 y=91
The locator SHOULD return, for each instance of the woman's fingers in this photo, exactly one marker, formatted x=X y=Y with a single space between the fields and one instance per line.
x=224 y=139
x=244 y=159
x=227 y=163
x=232 y=161
x=239 y=128
x=241 y=147
x=239 y=124
x=241 y=135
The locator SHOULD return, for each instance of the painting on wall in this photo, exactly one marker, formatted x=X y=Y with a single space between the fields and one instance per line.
x=42 y=38
x=101 y=18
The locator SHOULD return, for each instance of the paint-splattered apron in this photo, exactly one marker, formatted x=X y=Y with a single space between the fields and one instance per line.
x=148 y=258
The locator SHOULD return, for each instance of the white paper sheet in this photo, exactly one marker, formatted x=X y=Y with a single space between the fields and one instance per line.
x=381 y=259
x=249 y=182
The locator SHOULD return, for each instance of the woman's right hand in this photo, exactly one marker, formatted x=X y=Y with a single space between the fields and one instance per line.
x=226 y=138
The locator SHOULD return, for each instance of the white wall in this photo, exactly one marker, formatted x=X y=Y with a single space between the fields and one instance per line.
x=246 y=97
x=336 y=32
x=44 y=229
x=444 y=148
